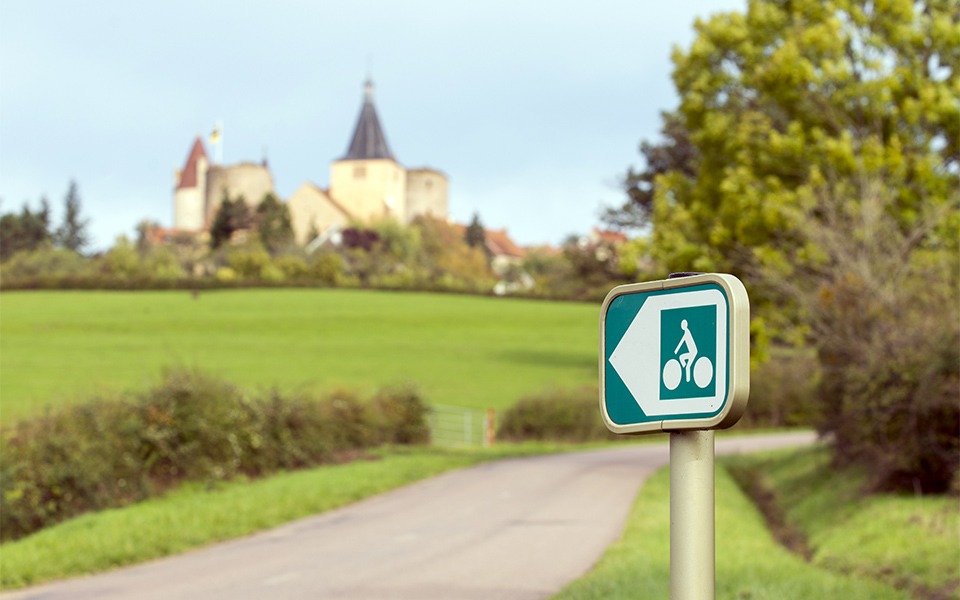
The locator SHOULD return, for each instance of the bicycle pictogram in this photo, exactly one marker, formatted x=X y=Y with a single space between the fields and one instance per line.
x=678 y=369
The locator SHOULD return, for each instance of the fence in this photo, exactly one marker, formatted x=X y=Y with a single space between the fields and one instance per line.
x=458 y=426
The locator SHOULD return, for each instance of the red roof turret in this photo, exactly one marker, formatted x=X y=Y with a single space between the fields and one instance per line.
x=188 y=177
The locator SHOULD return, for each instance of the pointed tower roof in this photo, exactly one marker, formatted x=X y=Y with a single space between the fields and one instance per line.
x=368 y=139
x=188 y=177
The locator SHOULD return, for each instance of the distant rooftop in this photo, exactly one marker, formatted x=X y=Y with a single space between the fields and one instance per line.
x=368 y=139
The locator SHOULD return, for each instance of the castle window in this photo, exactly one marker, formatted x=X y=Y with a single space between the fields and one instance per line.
x=428 y=184
x=359 y=172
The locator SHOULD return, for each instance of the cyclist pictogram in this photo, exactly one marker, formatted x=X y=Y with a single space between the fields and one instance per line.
x=687 y=369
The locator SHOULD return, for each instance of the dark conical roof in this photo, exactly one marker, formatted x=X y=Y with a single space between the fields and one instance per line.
x=368 y=139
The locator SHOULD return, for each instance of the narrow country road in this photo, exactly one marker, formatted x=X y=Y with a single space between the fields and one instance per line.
x=514 y=529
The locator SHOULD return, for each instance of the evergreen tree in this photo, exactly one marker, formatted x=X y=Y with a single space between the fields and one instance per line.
x=475 y=235
x=231 y=216
x=72 y=234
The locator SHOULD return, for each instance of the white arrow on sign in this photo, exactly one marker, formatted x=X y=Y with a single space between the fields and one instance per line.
x=636 y=359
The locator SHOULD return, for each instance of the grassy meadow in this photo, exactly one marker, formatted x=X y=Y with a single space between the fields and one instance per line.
x=64 y=346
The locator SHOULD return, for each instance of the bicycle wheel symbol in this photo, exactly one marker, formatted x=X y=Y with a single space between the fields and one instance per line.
x=703 y=372
x=673 y=373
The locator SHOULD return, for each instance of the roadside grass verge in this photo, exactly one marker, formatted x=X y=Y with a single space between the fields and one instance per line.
x=909 y=541
x=197 y=514
x=750 y=564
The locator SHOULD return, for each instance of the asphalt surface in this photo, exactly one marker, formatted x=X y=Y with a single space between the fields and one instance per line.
x=514 y=529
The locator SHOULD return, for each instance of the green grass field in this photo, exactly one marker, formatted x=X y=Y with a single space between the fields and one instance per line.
x=463 y=350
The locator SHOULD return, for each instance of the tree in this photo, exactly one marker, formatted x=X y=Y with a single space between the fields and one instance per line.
x=827 y=140
x=790 y=93
x=72 y=234
x=231 y=216
x=674 y=153
x=273 y=224
x=881 y=307
x=475 y=235
x=24 y=232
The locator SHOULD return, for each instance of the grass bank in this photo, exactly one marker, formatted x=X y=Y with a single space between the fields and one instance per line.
x=307 y=340
x=908 y=541
x=196 y=515
x=751 y=565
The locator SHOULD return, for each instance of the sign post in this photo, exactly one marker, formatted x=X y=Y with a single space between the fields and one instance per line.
x=675 y=357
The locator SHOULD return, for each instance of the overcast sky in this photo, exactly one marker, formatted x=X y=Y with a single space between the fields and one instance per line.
x=532 y=109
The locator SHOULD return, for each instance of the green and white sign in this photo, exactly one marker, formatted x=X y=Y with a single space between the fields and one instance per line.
x=675 y=354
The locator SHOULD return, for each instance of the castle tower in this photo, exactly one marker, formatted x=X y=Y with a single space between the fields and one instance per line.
x=189 y=196
x=368 y=179
x=426 y=194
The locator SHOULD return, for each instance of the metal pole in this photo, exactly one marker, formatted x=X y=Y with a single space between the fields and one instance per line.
x=692 y=539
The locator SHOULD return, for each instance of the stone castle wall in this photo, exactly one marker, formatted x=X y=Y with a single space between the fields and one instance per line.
x=426 y=194
x=251 y=181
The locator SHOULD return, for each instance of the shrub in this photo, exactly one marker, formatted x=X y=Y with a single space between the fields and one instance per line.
x=555 y=415
x=109 y=453
x=293 y=267
x=878 y=297
x=47 y=261
x=783 y=390
x=249 y=263
x=327 y=267
x=401 y=416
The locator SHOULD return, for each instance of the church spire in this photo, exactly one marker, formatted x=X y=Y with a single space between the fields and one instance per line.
x=368 y=138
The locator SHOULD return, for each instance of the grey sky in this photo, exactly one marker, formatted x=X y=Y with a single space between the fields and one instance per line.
x=532 y=109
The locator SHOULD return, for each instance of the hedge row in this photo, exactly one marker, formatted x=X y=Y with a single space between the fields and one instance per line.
x=555 y=415
x=109 y=453
x=783 y=394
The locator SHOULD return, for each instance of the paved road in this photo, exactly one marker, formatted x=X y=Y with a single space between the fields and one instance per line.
x=515 y=529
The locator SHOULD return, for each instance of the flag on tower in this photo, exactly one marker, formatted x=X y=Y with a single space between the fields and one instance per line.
x=215 y=135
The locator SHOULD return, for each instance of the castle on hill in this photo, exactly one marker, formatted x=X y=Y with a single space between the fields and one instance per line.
x=367 y=184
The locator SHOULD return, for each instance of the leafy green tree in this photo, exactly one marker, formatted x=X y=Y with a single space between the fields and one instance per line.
x=827 y=140
x=231 y=216
x=793 y=94
x=273 y=224
x=24 y=232
x=72 y=234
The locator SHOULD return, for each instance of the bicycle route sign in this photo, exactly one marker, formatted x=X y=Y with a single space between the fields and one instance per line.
x=675 y=354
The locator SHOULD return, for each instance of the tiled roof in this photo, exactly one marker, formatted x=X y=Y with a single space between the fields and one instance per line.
x=188 y=177
x=500 y=244
x=368 y=139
